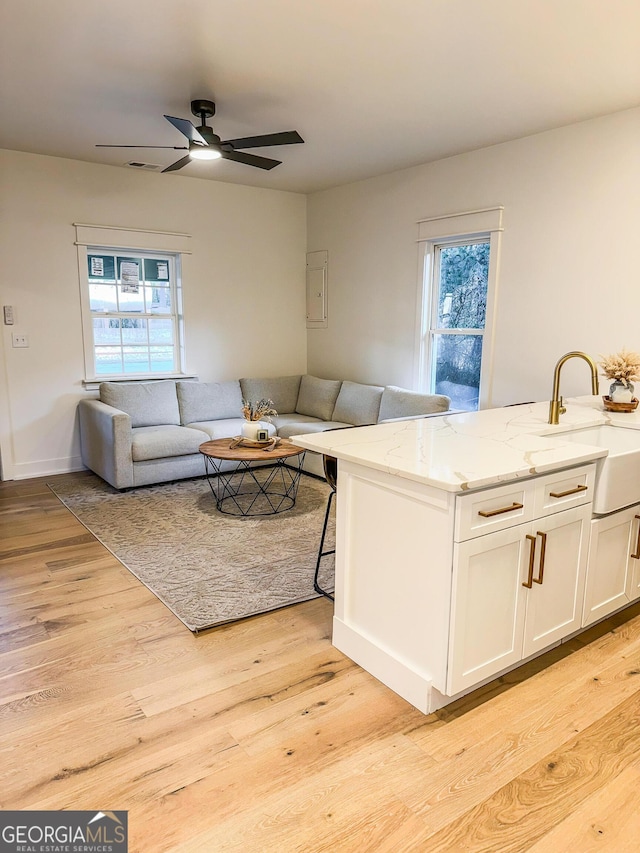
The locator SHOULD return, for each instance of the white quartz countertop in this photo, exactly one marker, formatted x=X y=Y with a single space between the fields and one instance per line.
x=472 y=450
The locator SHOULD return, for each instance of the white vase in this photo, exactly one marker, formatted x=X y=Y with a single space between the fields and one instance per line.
x=253 y=430
x=619 y=392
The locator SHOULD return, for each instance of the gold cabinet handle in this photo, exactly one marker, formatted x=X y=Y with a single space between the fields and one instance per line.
x=532 y=558
x=569 y=492
x=636 y=556
x=488 y=513
x=543 y=548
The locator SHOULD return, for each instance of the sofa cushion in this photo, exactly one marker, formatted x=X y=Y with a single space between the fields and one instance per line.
x=358 y=404
x=280 y=421
x=281 y=390
x=209 y=401
x=159 y=442
x=317 y=397
x=401 y=403
x=304 y=427
x=225 y=428
x=146 y=403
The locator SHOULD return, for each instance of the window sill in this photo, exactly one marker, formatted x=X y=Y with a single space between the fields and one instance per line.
x=94 y=384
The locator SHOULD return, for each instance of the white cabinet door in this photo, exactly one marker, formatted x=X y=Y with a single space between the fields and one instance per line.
x=554 y=603
x=488 y=604
x=515 y=592
x=610 y=573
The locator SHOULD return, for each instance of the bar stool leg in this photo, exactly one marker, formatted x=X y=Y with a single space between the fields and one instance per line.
x=322 y=553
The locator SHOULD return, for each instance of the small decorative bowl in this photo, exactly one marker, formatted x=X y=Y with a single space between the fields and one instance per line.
x=610 y=406
x=241 y=441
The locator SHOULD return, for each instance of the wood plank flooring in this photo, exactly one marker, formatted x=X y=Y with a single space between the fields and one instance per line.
x=260 y=736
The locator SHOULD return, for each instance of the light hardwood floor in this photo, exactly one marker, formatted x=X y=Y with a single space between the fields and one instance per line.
x=260 y=736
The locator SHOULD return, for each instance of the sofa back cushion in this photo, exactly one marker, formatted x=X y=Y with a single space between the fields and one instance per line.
x=317 y=397
x=146 y=403
x=358 y=404
x=281 y=390
x=209 y=401
x=402 y=403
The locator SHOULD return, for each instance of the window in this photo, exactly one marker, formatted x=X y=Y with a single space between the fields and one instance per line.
x=133 y=301
x=131 y=307
x=457 y=320
x=458 y=289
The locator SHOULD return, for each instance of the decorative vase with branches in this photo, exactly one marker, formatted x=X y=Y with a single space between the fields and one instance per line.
x=623 y=368
x=257 y=417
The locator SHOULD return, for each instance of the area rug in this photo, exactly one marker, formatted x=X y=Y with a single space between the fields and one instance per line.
x=207 y=567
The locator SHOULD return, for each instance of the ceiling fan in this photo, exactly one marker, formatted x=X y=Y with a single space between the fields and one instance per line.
x=204 y=144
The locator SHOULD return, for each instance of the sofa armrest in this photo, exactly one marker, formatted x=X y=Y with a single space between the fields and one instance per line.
x=420 y=417
x=105 y=442
x=401 y=403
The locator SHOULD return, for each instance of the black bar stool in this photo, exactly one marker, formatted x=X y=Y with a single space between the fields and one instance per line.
x=330 y=465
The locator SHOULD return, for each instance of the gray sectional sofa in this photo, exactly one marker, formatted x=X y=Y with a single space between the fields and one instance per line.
x=140 y=433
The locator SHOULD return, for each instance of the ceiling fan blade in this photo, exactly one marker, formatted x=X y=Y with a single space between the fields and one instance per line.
x=173 y=147
x=251 y=159
x=287 y=137
x=178 y=164
x=187 y=129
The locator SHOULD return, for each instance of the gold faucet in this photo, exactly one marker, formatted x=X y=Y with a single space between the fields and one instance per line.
x=555 y=406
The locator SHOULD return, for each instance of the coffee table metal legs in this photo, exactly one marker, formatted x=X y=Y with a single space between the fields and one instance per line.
x=254 y=490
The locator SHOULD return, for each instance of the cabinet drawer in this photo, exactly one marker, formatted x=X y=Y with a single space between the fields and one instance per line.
x=484 y=511
x=564 y=489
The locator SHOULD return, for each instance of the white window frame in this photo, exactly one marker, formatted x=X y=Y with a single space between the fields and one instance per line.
x=175 y=315
x=455 y=229
x=174 y=247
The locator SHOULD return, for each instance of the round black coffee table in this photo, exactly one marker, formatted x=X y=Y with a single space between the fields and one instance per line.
x=259 y=483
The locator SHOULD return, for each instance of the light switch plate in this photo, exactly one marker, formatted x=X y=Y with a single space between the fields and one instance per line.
x=19 y=340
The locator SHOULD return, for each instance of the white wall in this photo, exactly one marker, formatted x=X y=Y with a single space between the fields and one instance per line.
x=568 y=278
x=244 y=292
x=569 y=275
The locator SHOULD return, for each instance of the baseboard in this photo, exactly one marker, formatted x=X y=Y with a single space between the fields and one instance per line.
x=394 y=673
x=42 y=468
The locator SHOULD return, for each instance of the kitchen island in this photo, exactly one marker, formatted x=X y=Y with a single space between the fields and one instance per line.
x=463 y=542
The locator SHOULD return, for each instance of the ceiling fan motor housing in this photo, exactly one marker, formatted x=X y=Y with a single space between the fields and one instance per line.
x=211 y=137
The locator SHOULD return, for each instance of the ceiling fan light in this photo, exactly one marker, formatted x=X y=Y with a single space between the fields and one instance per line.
x=204 y=152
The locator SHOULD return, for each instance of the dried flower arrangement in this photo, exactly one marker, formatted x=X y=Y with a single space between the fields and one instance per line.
x=262 y=410
x=623 y=366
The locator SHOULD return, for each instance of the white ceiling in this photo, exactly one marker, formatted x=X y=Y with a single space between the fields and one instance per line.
x=371 y=85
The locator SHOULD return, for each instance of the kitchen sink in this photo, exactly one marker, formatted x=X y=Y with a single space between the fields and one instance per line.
x=618 y=474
